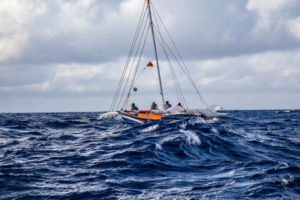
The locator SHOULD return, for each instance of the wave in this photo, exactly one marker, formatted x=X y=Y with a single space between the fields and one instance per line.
x=247 y=154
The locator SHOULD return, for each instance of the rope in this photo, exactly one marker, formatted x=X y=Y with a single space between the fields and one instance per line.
x=174 y=78
x=133 y=80
x=132 y=65
x=182 y=66
x=138 y=46
x=137 y=32
x=178 y=89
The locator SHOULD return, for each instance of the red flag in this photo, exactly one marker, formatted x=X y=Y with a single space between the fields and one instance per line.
x=150 y=64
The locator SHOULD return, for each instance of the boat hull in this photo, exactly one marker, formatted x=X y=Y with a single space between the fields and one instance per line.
x=130 y=118
x=140 y=117
x=145 y=117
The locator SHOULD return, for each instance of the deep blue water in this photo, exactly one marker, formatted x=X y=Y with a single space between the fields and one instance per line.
x=246 y=155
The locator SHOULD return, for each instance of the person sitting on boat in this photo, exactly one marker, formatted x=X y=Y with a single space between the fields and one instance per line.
x=179 y=108
x=167 y=105
x=154 y=106
x=133 y=107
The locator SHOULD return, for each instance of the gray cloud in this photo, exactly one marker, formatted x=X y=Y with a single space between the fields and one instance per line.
x=70 y=50
x=94 y=31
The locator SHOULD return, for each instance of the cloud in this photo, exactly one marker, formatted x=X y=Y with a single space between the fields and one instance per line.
x=74 y=31
x=272 y=19
x=96 y=31
x=230 y=28
x=264 y=72
x=265 y=12
x=294 y=27
x=15 y=19
x=70 y=50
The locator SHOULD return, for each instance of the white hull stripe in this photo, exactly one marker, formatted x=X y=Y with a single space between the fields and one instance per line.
x=132 y=119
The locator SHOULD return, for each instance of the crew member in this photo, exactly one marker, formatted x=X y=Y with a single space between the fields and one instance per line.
x=154 y=106
x=133 y=107
x=180 y=108
x=167 y=105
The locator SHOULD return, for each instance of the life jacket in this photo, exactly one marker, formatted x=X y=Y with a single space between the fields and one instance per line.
x=134 y=108
x=154 y=107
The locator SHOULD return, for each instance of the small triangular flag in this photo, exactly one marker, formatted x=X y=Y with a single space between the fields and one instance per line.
x=150 y=64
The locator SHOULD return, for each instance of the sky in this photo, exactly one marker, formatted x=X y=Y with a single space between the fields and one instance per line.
x=68 y=55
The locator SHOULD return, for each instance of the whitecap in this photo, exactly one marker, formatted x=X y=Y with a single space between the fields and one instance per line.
x=287 y=180
x=284 y=182
x=214 y=130
x=196 y=120
x=223 y=175
x=284 y=163
x=166 y=139
x=158 y=146
x=183 y=125
x=191 y=137
x=110 y=115
x=150 y=128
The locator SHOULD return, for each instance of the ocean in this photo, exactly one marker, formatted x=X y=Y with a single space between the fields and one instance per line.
x=246 y=155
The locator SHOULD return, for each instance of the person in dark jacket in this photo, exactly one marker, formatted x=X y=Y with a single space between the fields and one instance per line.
x=167 y=105
x=154 y=106
x=133 y=107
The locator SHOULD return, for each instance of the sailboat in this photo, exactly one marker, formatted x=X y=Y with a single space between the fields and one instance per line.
x=133 y=70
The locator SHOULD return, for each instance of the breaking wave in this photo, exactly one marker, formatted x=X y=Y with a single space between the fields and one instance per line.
x=246 y=155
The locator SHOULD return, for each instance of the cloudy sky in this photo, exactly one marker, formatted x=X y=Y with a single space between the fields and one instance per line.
x=68 y=55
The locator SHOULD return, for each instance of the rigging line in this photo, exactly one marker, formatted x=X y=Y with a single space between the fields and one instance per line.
x=133 y=80
x=129 y=56
x=174 y=77
x=138 y=76
x=184 y=66
x=133 y=62
x=188 y=76
x=142 y=16
x=127 y=61
x=169 y=35
x=178 y=90
x=173 y=74
x=186 y=73
x=131 y=70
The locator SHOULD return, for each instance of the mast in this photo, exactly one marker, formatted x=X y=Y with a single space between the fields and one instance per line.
x=155 y=53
